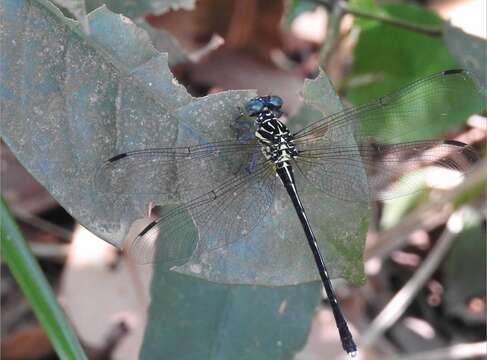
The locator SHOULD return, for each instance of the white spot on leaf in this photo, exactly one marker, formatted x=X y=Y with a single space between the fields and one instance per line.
x=125 y=19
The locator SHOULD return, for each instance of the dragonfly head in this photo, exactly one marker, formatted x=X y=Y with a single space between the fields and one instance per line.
x=264 y=107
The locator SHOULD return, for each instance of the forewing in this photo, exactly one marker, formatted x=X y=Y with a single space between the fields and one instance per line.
x=211 y=221
x=415 y=112
x=167 y=170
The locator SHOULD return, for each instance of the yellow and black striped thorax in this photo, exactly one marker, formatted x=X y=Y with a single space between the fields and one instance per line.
x=275 y=138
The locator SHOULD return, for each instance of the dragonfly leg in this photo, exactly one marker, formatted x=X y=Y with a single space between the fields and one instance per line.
x=243 y=127
x=252 y=165
x=253 y=162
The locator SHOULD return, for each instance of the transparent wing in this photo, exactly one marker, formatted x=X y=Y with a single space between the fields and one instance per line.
x=335 y=170
x=219 y=217
x=166 y=170
x=415 y=112
x=354 y=154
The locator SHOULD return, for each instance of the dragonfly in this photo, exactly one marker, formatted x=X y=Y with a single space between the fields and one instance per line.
x=247 y=167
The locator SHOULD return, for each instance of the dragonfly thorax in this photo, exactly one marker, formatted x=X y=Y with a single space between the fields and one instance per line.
x=275 y=138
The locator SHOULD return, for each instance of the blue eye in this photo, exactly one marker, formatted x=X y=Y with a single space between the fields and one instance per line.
x=254 y=107
x=275 y=102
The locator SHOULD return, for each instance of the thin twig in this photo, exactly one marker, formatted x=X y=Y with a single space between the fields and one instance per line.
x=332 y=34
x=455 y=352
x=42 y=224
x=57 y=252
x=400 y=302
x=433 y=31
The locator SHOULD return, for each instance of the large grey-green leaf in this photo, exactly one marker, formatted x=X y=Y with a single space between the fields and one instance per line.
x=162 y=40
x=470 y=51
x=70 y=101
x=194 y=319
x=78 y=9
x=135 y=9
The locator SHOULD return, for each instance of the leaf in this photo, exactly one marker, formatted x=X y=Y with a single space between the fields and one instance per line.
x=164 y=42
x=78 y=9
x=71 y=101
x=194 y=319
x=469 y=51
x=388 y=57
x=394 y=210
x=33 y=283
x=140 y=8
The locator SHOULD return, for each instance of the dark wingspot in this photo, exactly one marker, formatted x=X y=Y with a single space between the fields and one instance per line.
x=453 y=71
x=117 y=157
x=147 y=228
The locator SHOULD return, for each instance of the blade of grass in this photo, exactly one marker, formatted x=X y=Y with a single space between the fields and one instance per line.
x=33 y=283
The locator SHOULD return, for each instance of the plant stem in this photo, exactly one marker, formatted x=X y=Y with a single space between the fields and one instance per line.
x=433 y=31
x=33 y=283
x=332 y=34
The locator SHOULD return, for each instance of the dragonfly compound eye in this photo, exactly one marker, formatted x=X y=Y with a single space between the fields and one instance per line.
x=275 y=102
x=254 y=107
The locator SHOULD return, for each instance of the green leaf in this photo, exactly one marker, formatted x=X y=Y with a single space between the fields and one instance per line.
x=70 y=101
x=387 y=57
x=194 y=319
x=33 y=283
x=470 y=51
x=394 y=210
